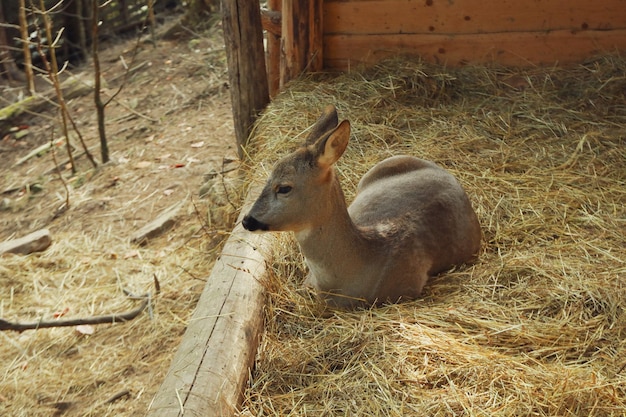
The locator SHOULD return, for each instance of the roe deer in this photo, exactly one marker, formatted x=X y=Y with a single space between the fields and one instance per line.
x=410 y=219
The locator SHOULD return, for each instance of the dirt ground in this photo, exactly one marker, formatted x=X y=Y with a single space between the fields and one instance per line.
x=169 y=131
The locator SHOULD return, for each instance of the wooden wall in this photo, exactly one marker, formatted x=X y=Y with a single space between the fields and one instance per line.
x=455 y=32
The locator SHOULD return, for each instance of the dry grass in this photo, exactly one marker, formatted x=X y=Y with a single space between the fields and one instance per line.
x=91 y=260
x=71 y=373
x=537 y=325
x=61 y=371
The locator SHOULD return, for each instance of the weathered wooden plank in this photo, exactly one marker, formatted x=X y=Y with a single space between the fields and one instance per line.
x=157 y=226
x=302 y=30
x=34 y=242
x=273 y=48
x=470 y=16
x=243 y=37
x=210 y=369
x=515 y=49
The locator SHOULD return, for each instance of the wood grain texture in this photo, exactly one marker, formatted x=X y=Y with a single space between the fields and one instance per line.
x=210 y=369
x=243 y=36
x=343 y=52
x=273 y=49
x=302 y=37
x=470 y=16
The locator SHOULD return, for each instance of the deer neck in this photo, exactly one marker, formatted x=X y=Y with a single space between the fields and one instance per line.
x=334 y=247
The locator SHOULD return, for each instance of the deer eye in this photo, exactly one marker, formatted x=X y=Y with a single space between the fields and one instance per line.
x=283 y=189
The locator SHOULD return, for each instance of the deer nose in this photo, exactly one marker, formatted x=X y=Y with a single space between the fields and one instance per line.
x=251 y=224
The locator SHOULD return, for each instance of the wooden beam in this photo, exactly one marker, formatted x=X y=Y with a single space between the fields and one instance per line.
x=243 y=37
x=210 y=370
x=273 y=46
x=302 y=35
x=445 y=17
x=522 y=49
x=34 y=242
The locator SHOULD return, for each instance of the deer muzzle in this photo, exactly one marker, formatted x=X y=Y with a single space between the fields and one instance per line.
x=251 y=224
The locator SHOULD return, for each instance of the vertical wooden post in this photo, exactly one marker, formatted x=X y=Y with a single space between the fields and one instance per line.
x=302 y=31
x=273 y=50
x=243 y=37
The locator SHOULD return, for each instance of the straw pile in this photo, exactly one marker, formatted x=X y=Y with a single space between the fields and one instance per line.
x=170 y=134
x=537 y=325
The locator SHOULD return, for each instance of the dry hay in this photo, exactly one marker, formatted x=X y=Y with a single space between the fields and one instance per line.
x=537 y=325
x=118 y=369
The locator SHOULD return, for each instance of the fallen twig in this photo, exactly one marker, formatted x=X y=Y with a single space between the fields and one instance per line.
x=111 y=318
x=40 y=149
x=54 y=159
x=119 y=395
x=224 y=185
x=64 y=163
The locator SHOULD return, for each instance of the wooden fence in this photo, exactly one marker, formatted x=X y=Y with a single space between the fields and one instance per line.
x=345 y=34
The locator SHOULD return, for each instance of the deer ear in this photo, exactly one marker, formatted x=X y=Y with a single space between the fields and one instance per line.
x=330 y=148
x=326 y=122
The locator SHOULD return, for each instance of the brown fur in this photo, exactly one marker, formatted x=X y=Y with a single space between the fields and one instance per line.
x=410 y=219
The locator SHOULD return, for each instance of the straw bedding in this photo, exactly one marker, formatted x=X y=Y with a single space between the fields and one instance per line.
x=536 y=326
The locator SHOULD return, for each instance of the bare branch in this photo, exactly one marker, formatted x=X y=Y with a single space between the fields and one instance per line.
x=53 y=73
x=112 y=318
x=104 y=147
x=28 y=64
x=58 y=169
